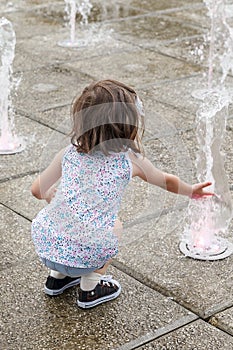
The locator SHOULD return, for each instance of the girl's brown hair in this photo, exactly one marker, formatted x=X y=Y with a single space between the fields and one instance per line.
x=107 y=117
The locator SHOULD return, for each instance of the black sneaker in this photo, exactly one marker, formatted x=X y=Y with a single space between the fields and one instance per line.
x=107 y=289
x=55 y=286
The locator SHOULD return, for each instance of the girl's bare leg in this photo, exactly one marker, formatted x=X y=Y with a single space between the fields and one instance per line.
x=103 y=269
x=89 y=282
x=118 y=228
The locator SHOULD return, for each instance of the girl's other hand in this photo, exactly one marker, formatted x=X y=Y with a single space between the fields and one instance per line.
x=198 y=190
x=50 y=194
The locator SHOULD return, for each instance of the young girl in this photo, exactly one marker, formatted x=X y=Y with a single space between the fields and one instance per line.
x=76 y=235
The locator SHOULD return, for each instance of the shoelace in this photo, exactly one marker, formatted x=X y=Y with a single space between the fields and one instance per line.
x=107 y=280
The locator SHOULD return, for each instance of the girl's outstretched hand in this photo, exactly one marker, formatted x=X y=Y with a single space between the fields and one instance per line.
x=198 y=190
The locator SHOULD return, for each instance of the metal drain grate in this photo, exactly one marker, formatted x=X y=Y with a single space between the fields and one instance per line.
x=220 y=249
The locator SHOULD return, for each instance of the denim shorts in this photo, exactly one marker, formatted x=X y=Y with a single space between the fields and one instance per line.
x=68 y=270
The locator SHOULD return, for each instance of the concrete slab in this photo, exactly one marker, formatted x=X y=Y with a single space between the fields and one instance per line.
x=201 y=286
x=56 y=117
x=16 y=195
x=103 y=11
x=223 y=320
x=196 y=15
x=44 y=88
x=44 y=26
x=150 y=30
x=197 y=335
x=39 y=140
x=192 y=49
x=162 y=118
x=177 y=93
x=150 y=45
x=24 y=5
x=181 y=93
x=29 y=317
x=15 y=238
x=27 y=22
x=95 y=40
x=55 y=11
x=165 y=5
x=137 y=67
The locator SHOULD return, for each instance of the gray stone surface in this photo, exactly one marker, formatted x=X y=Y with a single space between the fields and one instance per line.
x=29 y=319
x=197 y=335
x=166 y=28
x=135 y=66
x=168 y=300
x=202 y=286
x=223 y=320
x=163 y=6
x=38 y=140
x=30 y=99
x=15 y=239
x=170 y=92
x=16 y=194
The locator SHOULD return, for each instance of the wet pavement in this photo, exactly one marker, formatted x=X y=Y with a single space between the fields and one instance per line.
x=168 y=301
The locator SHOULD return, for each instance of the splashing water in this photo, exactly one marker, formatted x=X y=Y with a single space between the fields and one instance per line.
x=71 y=8
x=209 y=217
x=9 y=142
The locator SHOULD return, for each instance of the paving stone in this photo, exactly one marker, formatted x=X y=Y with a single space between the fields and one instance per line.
x=28 y=23
x=183 y=94
x=133 y=67
x=16 y=195
x=31 y=319
x=54 y=12
x=63 y=80
x=15 y=239
x=223 y=320
x=94 y=41
x=43 y=26
x=196 y=15
x=165 y=28
x=192 y=49
x=202 y=286
x=38 y=140
x=157 y=47
x=59 y=323
x=113 y=10
x=162 y=118
x=164 y=5
x=198 y=335
x=57 y=117
x=170 y=93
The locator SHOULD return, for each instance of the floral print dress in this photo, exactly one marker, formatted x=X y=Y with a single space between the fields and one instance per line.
x=76 y=228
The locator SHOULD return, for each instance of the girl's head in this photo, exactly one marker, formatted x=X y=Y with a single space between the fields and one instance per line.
x=108 y=116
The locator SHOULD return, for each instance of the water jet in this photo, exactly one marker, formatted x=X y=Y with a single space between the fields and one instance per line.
x=71 y=8
x=9 y=142
x=208 y=218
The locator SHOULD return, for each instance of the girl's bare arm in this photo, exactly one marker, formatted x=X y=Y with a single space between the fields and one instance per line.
x=44 y=182
x=143 y=168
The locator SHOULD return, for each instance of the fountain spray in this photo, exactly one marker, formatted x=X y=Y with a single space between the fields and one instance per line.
x=9 y=142
x=209 y=218
x=71 y=8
